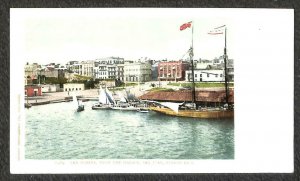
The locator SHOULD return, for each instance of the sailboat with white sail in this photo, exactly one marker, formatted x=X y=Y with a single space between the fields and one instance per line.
x=77 y=103
x=105 y=100
x=124 y=105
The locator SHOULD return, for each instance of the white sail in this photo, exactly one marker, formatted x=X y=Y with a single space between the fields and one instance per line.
x=172 y=105
x=102 y=96
x=75 y=102
x=110 y=97
x=122 y=98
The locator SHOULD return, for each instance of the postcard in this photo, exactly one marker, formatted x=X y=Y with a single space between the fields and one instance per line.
x=151 y=90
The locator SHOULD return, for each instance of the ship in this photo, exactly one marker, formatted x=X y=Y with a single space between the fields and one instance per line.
x=105 y=100
x=77 y=103
x=193 y=107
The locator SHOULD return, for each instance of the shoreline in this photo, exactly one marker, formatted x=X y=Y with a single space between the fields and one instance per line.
x=87 y=95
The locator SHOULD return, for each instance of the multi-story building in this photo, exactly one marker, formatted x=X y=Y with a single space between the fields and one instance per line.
x=137 y=72
x=206 y=70
x=76 y=68
x=111 y=71
x=120 y=72
x=205 y=75
x=31 y=70
x=87 y=68
x=69 y=65
x=110 y=60
x=173 y=70
x=101 y=72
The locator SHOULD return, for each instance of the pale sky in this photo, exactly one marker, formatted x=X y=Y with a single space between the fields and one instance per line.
x=61 y=35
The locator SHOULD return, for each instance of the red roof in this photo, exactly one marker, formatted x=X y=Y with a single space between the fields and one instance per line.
x=186 y=95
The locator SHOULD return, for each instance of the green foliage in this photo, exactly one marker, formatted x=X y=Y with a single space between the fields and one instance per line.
x=131 y=84
x=158 y=89
x=54 y=80
x=117 y=89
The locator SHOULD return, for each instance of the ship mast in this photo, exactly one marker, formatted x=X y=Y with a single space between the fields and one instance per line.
x=225 y=71
x=192 y=62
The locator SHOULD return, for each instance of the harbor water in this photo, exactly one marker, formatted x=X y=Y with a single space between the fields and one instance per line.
x=57 y=131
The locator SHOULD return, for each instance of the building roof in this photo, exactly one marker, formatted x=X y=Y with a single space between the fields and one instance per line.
x=186 y=95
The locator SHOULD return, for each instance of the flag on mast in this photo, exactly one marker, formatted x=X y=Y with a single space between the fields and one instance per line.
x=217 y=31
x=185 y=26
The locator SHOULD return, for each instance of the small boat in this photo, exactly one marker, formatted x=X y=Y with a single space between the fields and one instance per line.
x=80 y=108
x=143 y=110
x=125 y=108
x=28 y=105
x=124 y=105
x=78 y=103
x=105 y=100
x=101 y=106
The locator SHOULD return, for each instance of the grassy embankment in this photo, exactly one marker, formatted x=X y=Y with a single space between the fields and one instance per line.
x=122 y=86
x=201 y=84
x=159 y=89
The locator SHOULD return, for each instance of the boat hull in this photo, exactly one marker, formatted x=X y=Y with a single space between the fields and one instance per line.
x=80 y=108
x=216 y=114
x=100 y=108
x=125 y=109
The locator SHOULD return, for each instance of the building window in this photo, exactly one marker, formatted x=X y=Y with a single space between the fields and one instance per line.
x=66 y=89
x=69 y=89
x=195 y=75
x=200 y=75
x=216 y=75
x=76 y=88
x=221 y=75
x=207 y=75
x=79 y=88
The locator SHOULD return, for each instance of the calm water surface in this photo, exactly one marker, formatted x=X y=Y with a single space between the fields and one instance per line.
x=56 y=131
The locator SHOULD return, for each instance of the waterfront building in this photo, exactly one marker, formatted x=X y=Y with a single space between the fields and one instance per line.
x=120 y=72
x=110 y=60
x=111 y=71
x=172 y=70
x=31 y=71
x=76 y=68
x=70 y=64
x=101 y=72
x=88 y=68
x=50 y=88
x=33 y=90
x=137 y=72
x=205 y=75
x=73 y=87
x=52 y=72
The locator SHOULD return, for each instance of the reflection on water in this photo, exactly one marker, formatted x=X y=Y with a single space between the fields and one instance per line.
x=56 y=131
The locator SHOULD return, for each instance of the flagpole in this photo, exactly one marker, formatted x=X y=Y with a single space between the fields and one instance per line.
x=192 y=62
x=225 y=62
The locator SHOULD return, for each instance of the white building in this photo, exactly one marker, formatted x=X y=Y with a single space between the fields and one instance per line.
x=87 y=68
x=50 y=88
x=110 y=60
x=84 y=68
x=205 y=75
x=73 y=87
x=101 y=72
x=137 y=72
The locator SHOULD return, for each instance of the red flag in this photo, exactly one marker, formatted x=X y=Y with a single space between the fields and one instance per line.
x=185 y=26
x=217 y=31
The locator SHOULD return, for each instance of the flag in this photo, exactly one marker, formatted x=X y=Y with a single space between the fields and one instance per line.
x=217 y=31
x=185 y=26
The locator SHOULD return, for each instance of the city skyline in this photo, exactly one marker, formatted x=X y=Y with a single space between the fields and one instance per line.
x=62 y=36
